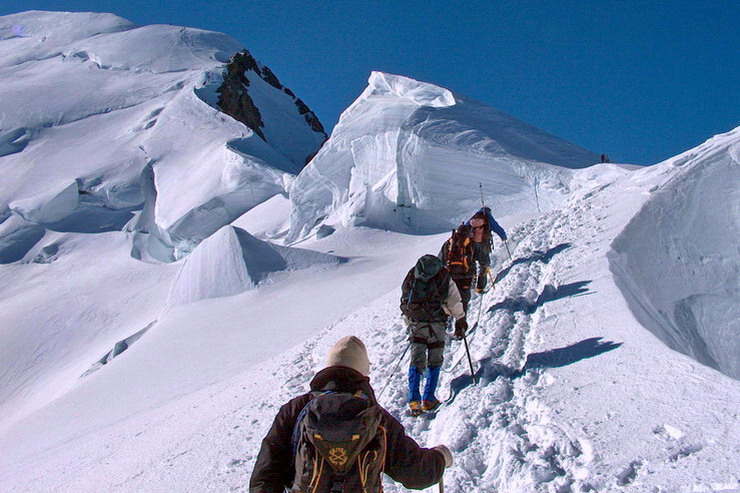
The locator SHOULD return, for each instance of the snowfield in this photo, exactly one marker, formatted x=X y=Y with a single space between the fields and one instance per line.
x=168 y=278
x=125 y=118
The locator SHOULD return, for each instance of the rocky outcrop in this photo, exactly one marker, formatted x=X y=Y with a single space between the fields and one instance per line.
x=235 y=101
x=310 y=117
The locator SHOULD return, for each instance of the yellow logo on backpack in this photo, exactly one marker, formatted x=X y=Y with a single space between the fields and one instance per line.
x=338 y=456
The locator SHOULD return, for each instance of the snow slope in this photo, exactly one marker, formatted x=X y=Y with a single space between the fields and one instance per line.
x=126 y=375
x=409 y=156
x=685 y=288
x=574 y=393
x=118 y=118
x=112 y=153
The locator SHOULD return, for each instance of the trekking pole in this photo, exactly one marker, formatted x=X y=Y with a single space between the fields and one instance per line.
x=483 y=202
x=394 y=371
x=482 y=297
x=442 y=484
x=480 y=307
x=470 y=361
x=507 y=249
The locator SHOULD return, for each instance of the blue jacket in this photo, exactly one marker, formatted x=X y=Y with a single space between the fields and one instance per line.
x=492 y=224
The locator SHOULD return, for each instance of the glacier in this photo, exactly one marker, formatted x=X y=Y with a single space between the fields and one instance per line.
x=170 y=276
x=110 y=100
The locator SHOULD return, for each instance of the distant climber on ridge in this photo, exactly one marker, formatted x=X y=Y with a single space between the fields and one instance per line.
x=337 y=438
x=429 y=297
x=460 y=254
x=483 y=224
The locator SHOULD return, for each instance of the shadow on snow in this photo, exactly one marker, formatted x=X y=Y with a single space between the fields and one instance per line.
x=489 y=370
x=564 y=356
x=536 y=256
x=548 y=294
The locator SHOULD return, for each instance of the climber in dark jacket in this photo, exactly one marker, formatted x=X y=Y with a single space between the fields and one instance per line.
x=347 y=367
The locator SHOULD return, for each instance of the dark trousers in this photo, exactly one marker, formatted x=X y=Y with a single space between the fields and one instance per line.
x=464 y=285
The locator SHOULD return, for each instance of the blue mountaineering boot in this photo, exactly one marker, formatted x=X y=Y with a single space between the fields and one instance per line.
x=429 y=402
x=414 y=395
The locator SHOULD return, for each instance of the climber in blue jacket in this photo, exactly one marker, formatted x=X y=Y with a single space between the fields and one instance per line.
x=482 y=224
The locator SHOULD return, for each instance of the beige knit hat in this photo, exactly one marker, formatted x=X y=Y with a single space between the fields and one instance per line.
x=349 y=351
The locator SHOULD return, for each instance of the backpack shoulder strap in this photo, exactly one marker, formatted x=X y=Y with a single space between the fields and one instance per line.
x=297 y=426
x=408 y=282
x=372 y=464
x=443 y=283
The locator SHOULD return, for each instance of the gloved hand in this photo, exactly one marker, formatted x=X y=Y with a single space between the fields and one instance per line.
x=442 y=449
x=461 y=326
x=482 y=280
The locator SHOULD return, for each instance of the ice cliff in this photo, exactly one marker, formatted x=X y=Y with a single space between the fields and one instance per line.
x=409 y=155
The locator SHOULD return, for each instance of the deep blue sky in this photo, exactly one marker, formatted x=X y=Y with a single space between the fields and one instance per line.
x=639 y=80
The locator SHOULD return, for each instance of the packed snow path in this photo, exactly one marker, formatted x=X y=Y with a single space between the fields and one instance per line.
x=501 y=437
x=504 y=433
x=573 y=394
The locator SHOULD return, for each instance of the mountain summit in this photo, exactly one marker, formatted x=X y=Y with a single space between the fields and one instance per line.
x=124 y=124
x=408 y=155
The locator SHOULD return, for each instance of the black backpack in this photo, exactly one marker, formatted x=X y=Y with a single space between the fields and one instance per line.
x=424 y=291
x=339 y=444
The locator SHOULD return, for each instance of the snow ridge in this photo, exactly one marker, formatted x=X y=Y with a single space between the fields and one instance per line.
x=104 y=101
x=409 y=155
x=685 y=287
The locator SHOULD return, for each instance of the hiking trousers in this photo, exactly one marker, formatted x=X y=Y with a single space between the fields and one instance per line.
x=427 y=343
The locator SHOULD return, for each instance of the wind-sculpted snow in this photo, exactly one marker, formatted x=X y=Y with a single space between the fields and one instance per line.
x=93 y=99
x=17 y=237
x=232 y=261
x=159 y=49
x=13 y=141
x=678 y=262
x=221 y=183
x=118 y=349
x=37 y=35
x=49 y=206
x=269 y=220
x=409 y=156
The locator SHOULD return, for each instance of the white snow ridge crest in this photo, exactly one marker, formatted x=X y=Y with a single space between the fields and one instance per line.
x=171 y=274
x=402 y=152
x=129 y=116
